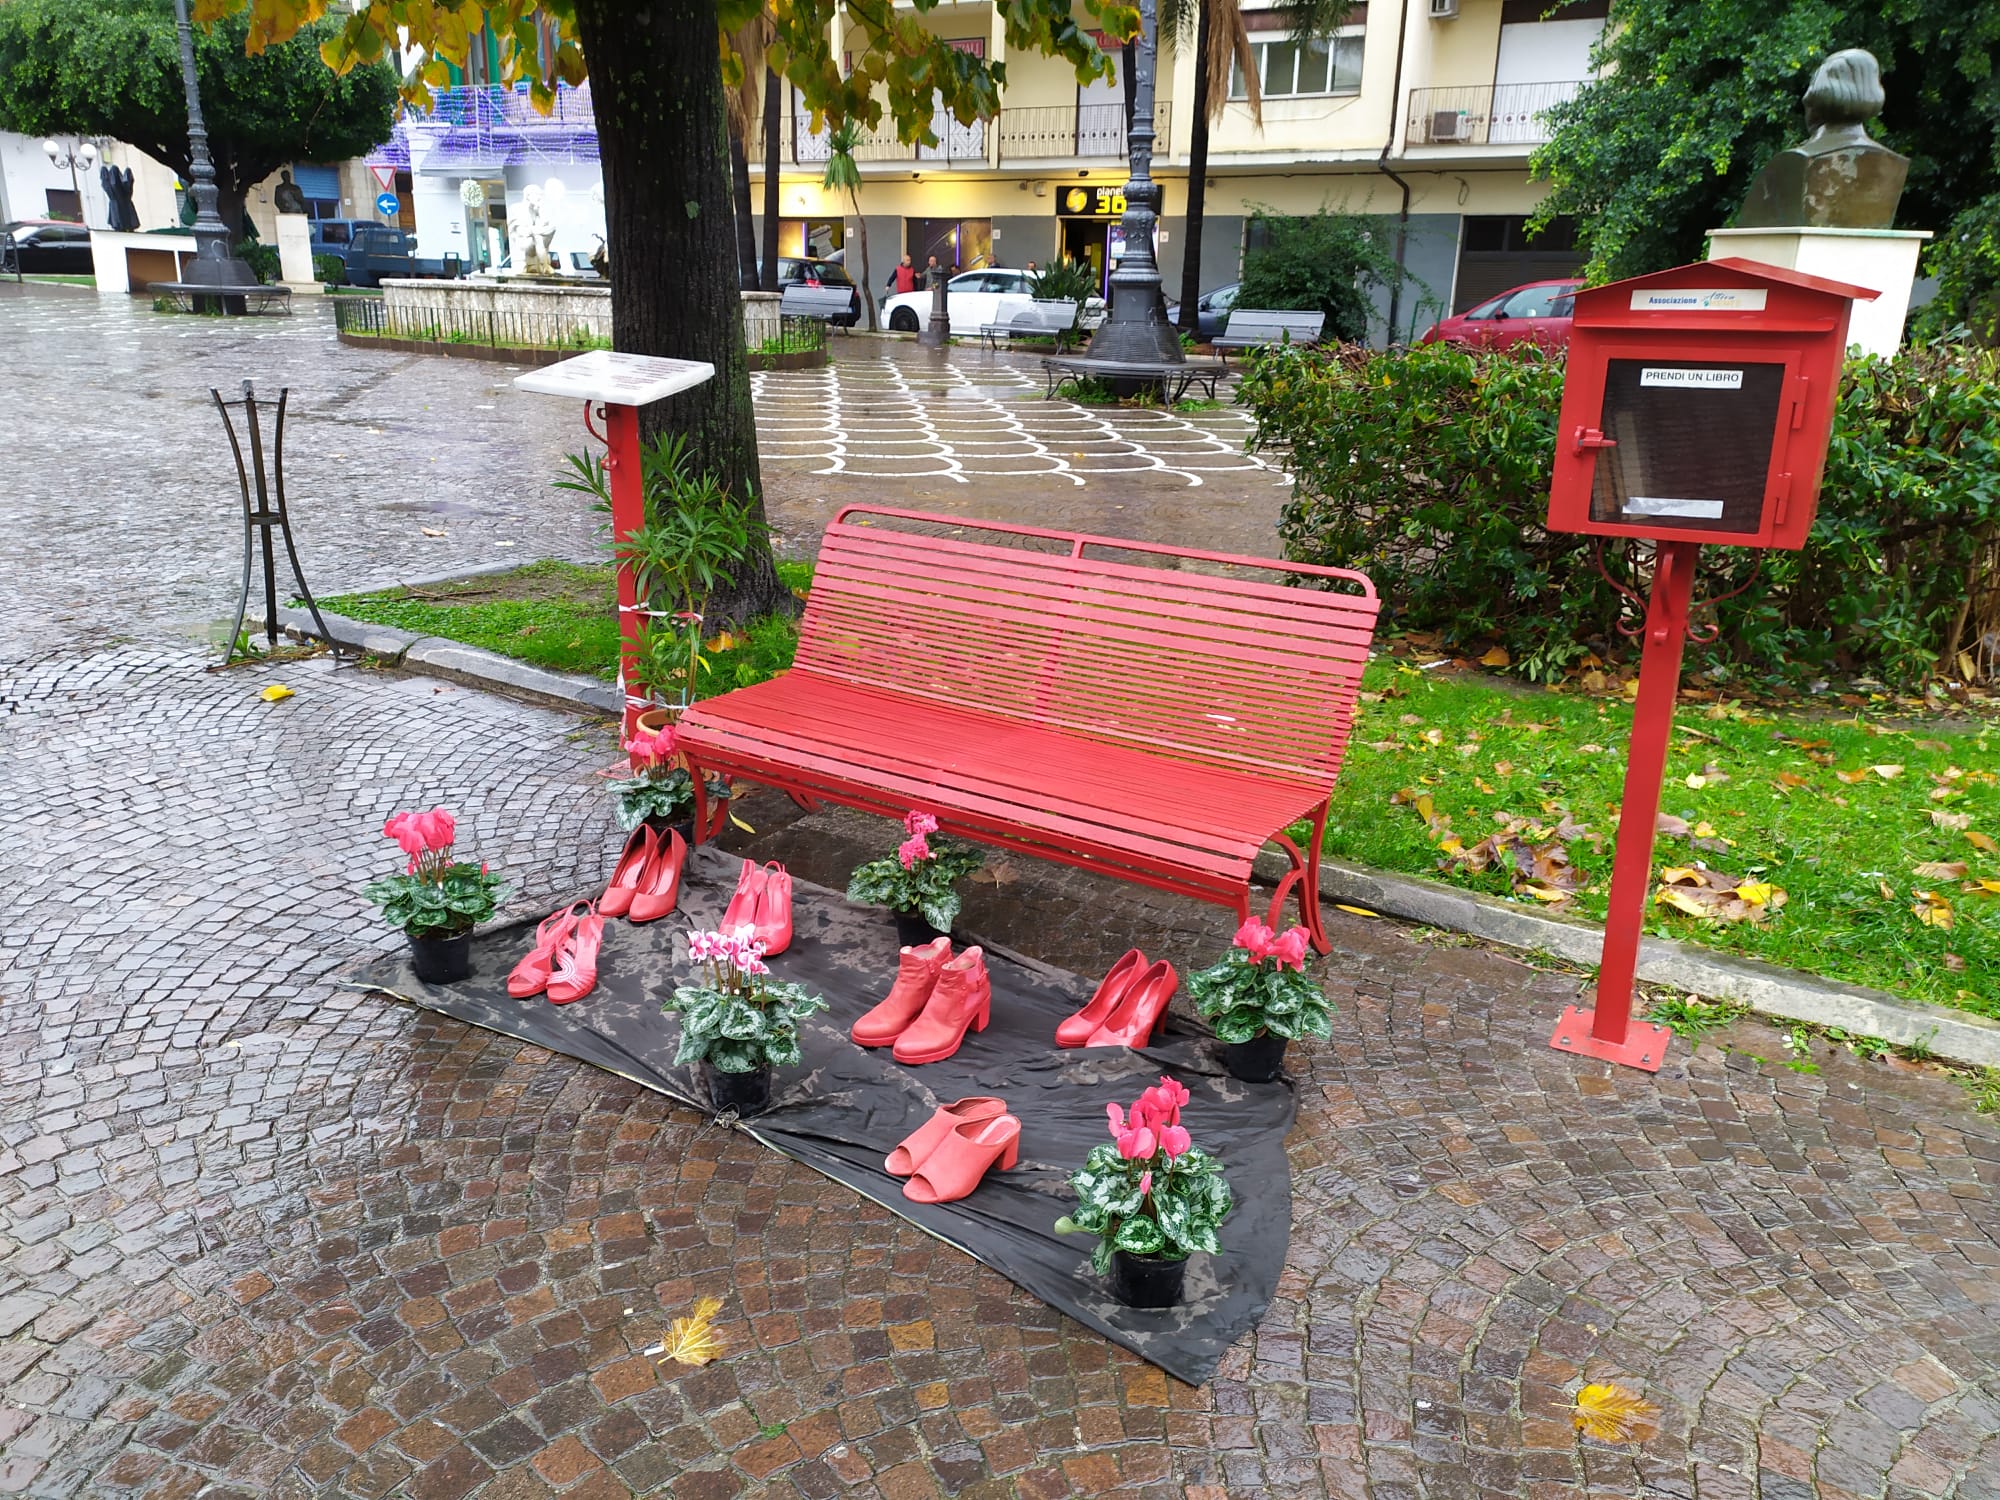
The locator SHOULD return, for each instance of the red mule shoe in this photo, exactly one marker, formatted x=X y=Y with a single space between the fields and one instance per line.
x=640 y=850
x=919 y=1144
x=660 y=883
x=962 y=999
x=964 y=1156
x=1138 y=1015
x=774 y=910
x=916 y=976
x=531 y=975
x=1076 y=1030
x=575 y=972
x=742 y=910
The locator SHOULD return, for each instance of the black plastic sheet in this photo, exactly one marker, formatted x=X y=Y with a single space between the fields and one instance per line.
x=847 y=1107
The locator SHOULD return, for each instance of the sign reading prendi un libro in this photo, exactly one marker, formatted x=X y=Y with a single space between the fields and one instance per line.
x=1692 y=380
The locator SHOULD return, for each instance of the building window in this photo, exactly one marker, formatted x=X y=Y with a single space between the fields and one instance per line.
x=1324 y=65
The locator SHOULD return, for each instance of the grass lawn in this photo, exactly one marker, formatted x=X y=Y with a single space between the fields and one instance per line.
x=1857 y=827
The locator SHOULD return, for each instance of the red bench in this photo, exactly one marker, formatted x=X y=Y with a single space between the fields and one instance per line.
x=1157 y=716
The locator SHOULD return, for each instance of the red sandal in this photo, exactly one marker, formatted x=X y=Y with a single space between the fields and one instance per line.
x=531 y=975
x=927 y=1137
x=963 y=1157
x=575 y=972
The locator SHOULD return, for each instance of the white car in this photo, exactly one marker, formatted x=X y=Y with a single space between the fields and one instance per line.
x=974 y=299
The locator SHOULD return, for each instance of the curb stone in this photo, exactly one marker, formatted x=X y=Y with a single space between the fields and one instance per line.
x=1779 y=993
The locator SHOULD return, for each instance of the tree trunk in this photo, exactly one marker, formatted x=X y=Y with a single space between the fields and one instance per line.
x=746 y=230
x=657 y=86
x=1197 y=182
x=774 y=135
x=867 y=276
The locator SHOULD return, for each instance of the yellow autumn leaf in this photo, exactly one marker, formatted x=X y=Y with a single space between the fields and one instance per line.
x=1497 y=657
x=1932 y=910
x=1789 y=779
x=1704 y=830
x=1982 y=842
x=724 y=641
x=1680 y=900
x=693 y=1340
x=1484 y=785
x=1696 y=781
x=1991 y=887
x=277 y=692
x=1850 y=777
x=1433 y=736
x=1546 y=893
x=1887 y=773
x=1612 y=1414
x=1681 y=875
x=1757 y=892
x=1939 y=869
x=1355 y=911
x=1888 y=892
x=1426 y=809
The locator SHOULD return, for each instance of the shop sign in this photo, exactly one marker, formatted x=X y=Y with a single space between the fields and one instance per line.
x=1087 y=201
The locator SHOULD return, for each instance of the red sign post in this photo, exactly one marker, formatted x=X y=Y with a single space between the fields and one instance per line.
x=613 y=388
x=1696 y=408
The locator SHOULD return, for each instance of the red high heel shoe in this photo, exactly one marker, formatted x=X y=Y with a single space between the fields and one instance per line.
x=963 y=1158
x=742 y=909
x=660 y=884
x=916 y=976
x=575 y=972
x=531 y=975
x=1137 y=1017
x=918 y=1146
x=639 y=851
x=962 y=998
x=1076 y=1030
x=774 y=910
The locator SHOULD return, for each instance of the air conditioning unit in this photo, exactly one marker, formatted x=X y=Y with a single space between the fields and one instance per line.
x=1444 y=10
x=1449 y=125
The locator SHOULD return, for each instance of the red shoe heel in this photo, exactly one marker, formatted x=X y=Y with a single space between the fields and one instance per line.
x=1137 y=1019
x=963 y=1158
x=774 y=909
x=659 y=888
x=575 y=973
x=1075 y=1031
x=639 y=852
x=742 y=910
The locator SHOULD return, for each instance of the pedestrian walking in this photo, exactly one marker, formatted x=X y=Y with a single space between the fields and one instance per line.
x=903 y=277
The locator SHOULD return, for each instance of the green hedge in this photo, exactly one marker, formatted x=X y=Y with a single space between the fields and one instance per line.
x=1429 y=469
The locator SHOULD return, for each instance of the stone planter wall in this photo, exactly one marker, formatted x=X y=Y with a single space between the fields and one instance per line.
x=510 y=312
x=761 y=320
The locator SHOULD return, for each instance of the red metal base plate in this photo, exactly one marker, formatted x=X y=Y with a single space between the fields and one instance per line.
x=1645 y=1045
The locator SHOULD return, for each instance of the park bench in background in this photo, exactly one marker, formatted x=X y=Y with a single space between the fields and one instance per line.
x=1251 y=328
x=1038 y=320
x=1174 y=377
x=1153 y=713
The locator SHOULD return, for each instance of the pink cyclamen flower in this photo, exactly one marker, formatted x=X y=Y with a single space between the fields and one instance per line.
x=919 y=823
x=402 y=827
x=1254 y=938
x=1138 y=1144
x=913 y=849
x=1174 y=1140
x=1290 y=950
x=437 y=827
x=1145 y=1183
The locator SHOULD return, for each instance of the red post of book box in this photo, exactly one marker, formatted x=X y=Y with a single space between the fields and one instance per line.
x=613 y=387
x=1696 y=408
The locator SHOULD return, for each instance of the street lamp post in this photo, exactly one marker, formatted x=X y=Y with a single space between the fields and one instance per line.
x=1137 y=327
x=72 y=157
x=213 y=263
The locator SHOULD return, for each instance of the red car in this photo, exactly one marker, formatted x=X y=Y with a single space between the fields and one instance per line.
x=1538 y=313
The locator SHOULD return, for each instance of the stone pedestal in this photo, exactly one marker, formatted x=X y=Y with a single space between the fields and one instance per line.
x=295 y=261
x=1885 y=259
x=762 y=319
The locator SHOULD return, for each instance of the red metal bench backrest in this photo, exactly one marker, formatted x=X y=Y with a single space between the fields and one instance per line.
x=1223 y=670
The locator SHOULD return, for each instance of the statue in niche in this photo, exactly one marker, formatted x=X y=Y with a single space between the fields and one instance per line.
x=1839 y=178
x=117 y=184
x=286 y=197
x=530 y=229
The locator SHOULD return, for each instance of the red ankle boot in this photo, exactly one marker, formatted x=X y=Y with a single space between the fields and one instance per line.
x=963 y=999
x=916 y=976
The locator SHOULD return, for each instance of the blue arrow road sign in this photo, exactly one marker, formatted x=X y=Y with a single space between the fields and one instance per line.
x=386 y=204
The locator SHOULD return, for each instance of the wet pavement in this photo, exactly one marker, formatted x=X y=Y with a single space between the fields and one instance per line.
x=261 y=1234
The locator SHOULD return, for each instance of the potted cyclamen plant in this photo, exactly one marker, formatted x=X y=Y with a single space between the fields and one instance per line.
x=919 y=884
x=1258 y=998
x=660 y=790
x=738 y=1022
x=438 y=900
x=1152 y=1198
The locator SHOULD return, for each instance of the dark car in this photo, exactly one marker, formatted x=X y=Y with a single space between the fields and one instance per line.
x=794 y=270
x=1211 y=311
x=378 y=250
x=47 y=247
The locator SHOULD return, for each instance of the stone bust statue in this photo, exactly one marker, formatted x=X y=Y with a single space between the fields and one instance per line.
x=286 y=197
x=1838 y=179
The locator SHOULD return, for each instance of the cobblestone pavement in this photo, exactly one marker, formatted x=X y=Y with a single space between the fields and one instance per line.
x=264 y=1235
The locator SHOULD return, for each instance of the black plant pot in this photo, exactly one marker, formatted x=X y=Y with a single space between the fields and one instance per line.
x=746 y=1093
x=913 y=930
x=1258 y=1060
x=683 y=826
x=1147 y=1280
x=441 y=960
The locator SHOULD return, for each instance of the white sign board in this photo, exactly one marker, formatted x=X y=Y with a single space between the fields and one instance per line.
x=1655 y=505
x=1692 y=380
x=616 y=379
x=1699 y=299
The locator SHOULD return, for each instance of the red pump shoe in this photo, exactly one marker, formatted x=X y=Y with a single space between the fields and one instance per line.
x=1137 y=1017
x=575 y=972
x=774 y=910
x=1076 y=1030
x=918 y=1146
x=659 y=888
x=916 y=976
x=742 y=910
x=962 y=999
x=640 y=850
x=955 y=1168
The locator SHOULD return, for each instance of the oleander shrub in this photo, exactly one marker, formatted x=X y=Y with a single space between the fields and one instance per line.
x=1428 y=469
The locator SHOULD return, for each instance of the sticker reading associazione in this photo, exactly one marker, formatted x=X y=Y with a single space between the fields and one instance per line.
x=1691 y=380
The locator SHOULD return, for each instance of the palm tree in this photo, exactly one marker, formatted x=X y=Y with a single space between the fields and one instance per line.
x=843 y=173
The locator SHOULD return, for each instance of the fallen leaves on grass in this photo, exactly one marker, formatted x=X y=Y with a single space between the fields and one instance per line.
x=1887 y=773
x=1939 y=869
x=1952 y=822
x=1982 y=842
x=1612 y=1414
x=1715 y=897
x=1989 y=887
x=1932 y=910
x=693 y=1340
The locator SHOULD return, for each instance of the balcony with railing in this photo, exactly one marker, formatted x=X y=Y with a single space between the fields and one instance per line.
x=1089 y=131
x=1509 y=114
